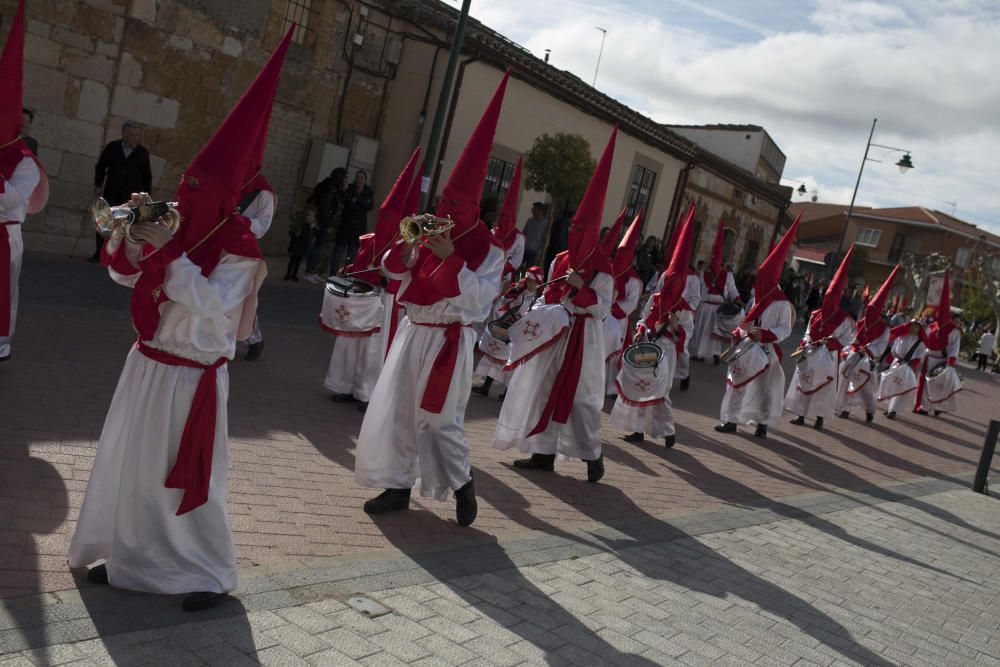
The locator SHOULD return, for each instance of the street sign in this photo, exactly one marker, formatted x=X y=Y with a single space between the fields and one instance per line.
x=934 y=286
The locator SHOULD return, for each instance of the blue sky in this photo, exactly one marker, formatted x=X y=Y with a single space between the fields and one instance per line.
x=812 y=72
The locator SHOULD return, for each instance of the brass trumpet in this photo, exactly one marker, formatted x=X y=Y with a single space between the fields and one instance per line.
x=108 y=218
x=414 y=227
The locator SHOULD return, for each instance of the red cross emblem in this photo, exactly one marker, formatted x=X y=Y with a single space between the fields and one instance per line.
x=342 y=312
x=643 y=384
x=897 y=380
x=494 y=346
x=807 y=376
x=531 y=329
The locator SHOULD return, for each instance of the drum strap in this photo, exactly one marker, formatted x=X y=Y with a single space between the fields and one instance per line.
x=563 y=392
x=443 y=368
x=5 y=278
x=244 y=203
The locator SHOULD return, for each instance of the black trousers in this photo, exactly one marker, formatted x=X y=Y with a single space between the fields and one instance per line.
x=293 y=266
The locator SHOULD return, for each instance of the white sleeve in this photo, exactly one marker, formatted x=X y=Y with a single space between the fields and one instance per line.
x=604 y=287
x=877 y=346
x=633 y=290
x=213 y=296
x=517 y=251
x=692 y=291
x=730 y=293
x=261 y=213
x=845 y=332
x=954 y=343
x=777 y=318
x=18 y=189
x=479 y=289
x=552 y=270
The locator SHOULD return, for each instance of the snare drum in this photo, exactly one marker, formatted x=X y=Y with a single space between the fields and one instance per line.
x=352 y=288
x=646 y=373
x=738 y=350
x=643 y=355
x=943 y=381
x=727 y=317
x=747 y=363
x=351 y=307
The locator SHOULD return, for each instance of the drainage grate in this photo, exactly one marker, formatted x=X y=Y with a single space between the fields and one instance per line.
x=367 y=606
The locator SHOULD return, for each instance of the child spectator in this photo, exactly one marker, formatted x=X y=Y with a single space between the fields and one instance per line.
x=300 y=232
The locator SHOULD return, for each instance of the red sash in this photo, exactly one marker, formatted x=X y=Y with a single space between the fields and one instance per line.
x=5 y=277
x=443 y=368
x=193 y=469
x=563 y=394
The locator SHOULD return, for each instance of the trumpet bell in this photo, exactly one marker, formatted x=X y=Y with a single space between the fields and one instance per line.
x=108 y=218
x=414 y=227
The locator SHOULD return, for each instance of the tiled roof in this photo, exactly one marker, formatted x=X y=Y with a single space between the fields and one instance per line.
x=916 y=214
x=810 y=254
x=722 y=126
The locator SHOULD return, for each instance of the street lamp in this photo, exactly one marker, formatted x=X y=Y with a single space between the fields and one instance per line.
x=905 y=164
x=802 y=189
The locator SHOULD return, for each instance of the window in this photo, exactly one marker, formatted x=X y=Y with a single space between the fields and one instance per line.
x=729 y=240
x=896 y=250
x=498 y=175
x=868 y=236
x=995 y=263
x=750 y=261
x=300 y=12
x=962 y=257
x=639 y=191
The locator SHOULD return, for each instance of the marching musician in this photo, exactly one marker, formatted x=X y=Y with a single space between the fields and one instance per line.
x=495 y=350
x=643 y=405
x=555 y=398
x=448 y=283
x=719 y=287
x=755 y=382
x=858 y=366
x=628 y=290
x=24 y=187
x=938 y=381
x=362 y=332
x=813 y=389
x=155 y=507
x=510 y=238
x=906 y=348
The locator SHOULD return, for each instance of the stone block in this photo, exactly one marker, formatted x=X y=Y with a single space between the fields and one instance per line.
x=145 y=108
x=76 y=196
x=87 y=65
x=39 y=28
x=41 y=50
x=60 y=220
x=144 y=42
x=56 y=131
x=173 y=17
x=129 y=70
x=156 y=166
x=44 y=88
x=77 y=169
x=93 y=102
x=109 y=49
x=180 y=43
x=232 y=47
x=51 y=159
x=144 y=10
x=205 y=33
x=90 y=20
x=70 y=38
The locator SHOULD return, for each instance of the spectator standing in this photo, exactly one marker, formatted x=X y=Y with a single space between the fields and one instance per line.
x=986 y=342
x=122 y=169
x=358 y=200
x=534 y=233
x=645 y=259
x=328 y=199
x=301 y=231
x=27 y=118
x=559 y=239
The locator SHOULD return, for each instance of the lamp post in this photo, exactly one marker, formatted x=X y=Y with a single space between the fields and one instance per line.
x=604 y=36
x=905 y=164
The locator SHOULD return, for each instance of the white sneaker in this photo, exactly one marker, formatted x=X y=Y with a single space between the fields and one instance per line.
x=309 y=278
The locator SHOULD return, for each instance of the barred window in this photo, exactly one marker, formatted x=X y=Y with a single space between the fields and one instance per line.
x=868 y=236
x=302 y=14
x=498 y=176
x=639 y=191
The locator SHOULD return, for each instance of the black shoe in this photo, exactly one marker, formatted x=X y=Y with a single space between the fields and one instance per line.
x=697 y=358
x=484 y=388
x=728 y=427
x=798 y=421
x=362 y=407
x=761 y=431
x=253 y=351
x=920 y=412
x=869 y=417
x=937 y=412
x=595 y=469
x=202 y=601
x=342 y=398
x=98 y=574
x=287 y=277
x=685 y=383
x=891 y=414
x=537 y=462
x=94 y=259
x=390 y=500
x=465 y=504
x=716 y=360
x=295 y=279
x=671 y=440
x=819 y=424
x=844 y=414
x=638 y=436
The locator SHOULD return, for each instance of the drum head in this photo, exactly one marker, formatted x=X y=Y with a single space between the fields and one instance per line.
x=351 y=287
x=499 y=329
x=937 y=370
x=729 y=310
x=643 y=355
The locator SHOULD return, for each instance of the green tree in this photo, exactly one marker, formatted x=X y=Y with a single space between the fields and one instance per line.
x=559 y=165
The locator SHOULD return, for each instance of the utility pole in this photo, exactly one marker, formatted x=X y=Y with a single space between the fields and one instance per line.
x=604 y=36
x=434 y=144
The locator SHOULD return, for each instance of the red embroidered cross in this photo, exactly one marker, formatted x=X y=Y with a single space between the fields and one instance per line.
x=643 y=385
x=494 y=346
x=531 y=328
x=342 y=312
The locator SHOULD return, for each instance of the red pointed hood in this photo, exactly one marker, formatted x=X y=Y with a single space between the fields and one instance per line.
x=718 y=278
x=12 y=147
x=610 y=243
x=869 y=326
x=828 y=316
x=412 y=204
x=626 y=249
x=767 y=285
x=585 y=229
x=506 y=229
x=392 y=209
x=461 y=194
x=943 y=316
x=676 y=273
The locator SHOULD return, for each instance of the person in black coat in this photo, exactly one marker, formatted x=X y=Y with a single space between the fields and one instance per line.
x=358 y=200
x=122 y=169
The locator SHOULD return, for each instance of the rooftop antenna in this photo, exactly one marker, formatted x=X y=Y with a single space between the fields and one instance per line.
x=953 y=204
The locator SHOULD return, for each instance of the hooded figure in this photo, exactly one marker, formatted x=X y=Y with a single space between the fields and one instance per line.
x=943 y=337
x=24 y=187
x=718 y=288
x=556 y=394
x=643 y=404
x=506 y=232
x=628 y=290
x=755 y=382
x=448 y=283
x=813 y=389
x=857 y=368
x=362 y=325
x=155 y=508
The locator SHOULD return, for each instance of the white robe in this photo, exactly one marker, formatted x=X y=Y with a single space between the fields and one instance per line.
x=355 y=362
x=615 y=330
x=531 y=384
x=759 y=401
x=128 y=517
x=260 y=212
x=933 y=359
x=14 y=207
x=899 y=381
x=860 y=387
x=491 y=364
x=400 y=444
x=818 y=402
x=703 y=344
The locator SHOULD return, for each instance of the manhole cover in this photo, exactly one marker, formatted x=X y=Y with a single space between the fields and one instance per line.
x=367 y=606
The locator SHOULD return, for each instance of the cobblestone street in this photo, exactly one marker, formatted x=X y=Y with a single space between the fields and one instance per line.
x=856 y=544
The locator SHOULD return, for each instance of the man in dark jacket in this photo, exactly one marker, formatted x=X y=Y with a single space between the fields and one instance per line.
x=122 y=169
x=358 y=200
